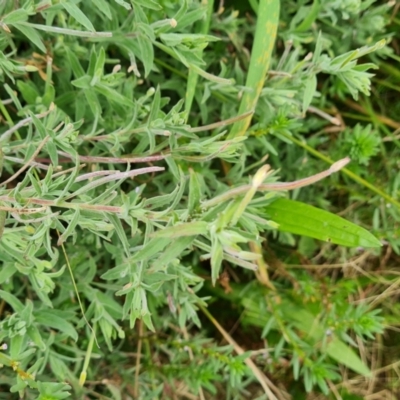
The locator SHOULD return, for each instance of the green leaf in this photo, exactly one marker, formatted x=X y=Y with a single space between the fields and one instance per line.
x=151 y=248
x=124 y=4
x=116 y=272
x=345 y=355
x=311 y=16
x=42 y=130
x=113 y=95
x=12 y=301
x=28 y=92
x=103 y=7
x=51 y=319
x=74 y=11
x=16 y=16
x=71 y=227
x=74 y=63
x=82 y=82
x=194 y=191
x=155 y=106
x=52 y=150
x=93 y=102
x=120 y=232
x=1 y=165
x=189 y=18
x=160 y=201
x=185 y=229
x=146 y=53
x=3 y=215
x=174 y=250
x=100 y=61
x=34 y=334
x=309 y=91
x=13 y=96
x=32 y=35
x=217 y=255
x=335 y=348
x=153 y=5
x=17 y=346
x=303 y=219
x=6 y=272
x=174 y=39
x=148 y=322
x=53 y=390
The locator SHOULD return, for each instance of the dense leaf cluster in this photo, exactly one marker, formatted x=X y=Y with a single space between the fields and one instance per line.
x=125 y=194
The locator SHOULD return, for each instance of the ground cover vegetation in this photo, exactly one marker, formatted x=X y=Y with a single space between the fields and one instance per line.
x=199 y=199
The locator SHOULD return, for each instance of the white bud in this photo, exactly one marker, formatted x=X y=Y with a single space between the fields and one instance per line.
x=116 y=68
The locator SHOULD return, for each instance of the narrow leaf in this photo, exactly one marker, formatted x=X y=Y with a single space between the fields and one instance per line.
x=151 y=248
x=3 y=215
x=103 y=7
x=50 y=319
x=12 y=301
x=71 y=227
x=186 y=229
x=74 y=11
x=120 y=232
x=75 y=64
x=153 y=5
x=1 y=162
x=113 y=95
x=32 y=35
x=6 y=272
x=217 y=256
x=146 y=53
x=194 y=191
x=174 y=250
x=310 y=18
x=124 y=4
x=345 y=355
x=15 y=16
x=309 y=91
x=302 y=219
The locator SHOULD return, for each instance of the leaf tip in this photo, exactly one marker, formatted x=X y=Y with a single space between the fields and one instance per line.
x=338 y=165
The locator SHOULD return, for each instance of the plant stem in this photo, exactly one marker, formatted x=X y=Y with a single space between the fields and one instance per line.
x=347 y=172
x=276 y=186
x=88 y=354
x=64 y=31
x=5 y=113
x=193 y=75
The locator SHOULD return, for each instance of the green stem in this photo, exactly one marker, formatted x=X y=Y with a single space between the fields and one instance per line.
x=4 y=111
x=62 y=204
x=193 y=75
x=215 y=93
x=264 y=40
x=88 y=355
x=169 y=68
x=64 y=31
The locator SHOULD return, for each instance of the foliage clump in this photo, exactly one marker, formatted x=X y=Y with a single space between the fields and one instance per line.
x=138 y=212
